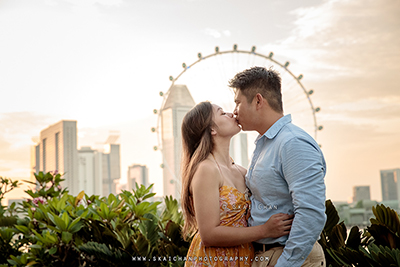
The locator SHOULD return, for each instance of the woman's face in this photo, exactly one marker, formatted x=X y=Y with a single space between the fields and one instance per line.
x=225 y=121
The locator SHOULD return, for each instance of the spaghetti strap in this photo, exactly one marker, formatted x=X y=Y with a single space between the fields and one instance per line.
x=219 y=168
x=237 y=168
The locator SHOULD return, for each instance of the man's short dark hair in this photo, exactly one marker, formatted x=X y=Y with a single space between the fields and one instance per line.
x=261 y=80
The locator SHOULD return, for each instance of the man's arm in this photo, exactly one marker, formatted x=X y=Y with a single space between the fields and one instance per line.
x=303 y=168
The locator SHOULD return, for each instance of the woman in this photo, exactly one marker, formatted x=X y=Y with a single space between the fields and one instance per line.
x=214 y=195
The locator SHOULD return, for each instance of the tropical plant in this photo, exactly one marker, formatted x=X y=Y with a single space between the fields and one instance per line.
x=377 y=245
x=54 y=228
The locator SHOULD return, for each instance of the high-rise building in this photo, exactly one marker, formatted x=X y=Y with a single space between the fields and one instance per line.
x=99 y=171
x=137 y=174
x=178 y=102
x=90 y=171
x=238 y=149
x=361 y=193
x=57 y=150
x=111 y=168
x=35 y=158
x=390 y=184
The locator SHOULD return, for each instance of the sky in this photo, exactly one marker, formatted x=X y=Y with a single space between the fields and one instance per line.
x=103 y=63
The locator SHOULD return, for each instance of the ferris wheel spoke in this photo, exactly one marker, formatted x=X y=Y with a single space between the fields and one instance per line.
x=301 y=110
x=254 y=59
x=288 y=84
x=285 y=75
x=251 y=59
x=223 y=67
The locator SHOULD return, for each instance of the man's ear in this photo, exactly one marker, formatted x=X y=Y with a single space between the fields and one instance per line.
x=259 y=100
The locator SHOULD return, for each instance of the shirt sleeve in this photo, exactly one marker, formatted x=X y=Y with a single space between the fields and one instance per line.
x=303 y=167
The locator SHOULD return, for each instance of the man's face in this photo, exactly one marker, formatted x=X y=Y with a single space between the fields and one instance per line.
x=244 y=111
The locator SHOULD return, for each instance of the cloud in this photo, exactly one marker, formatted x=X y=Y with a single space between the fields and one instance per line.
x=380 y=114
x=347 y=38
x=16 y=134
x=217 y=33
x=212 y=32
x=227 y=33
x=371 y=104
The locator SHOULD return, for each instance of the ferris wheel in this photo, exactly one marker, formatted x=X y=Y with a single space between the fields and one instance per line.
x=207 y=79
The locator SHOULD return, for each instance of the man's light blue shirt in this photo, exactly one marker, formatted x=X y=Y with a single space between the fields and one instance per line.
x=286 y=175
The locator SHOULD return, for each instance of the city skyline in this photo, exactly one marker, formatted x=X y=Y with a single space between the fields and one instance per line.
x=103 y=63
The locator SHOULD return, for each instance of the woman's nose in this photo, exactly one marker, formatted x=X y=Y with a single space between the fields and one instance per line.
x=230 y=114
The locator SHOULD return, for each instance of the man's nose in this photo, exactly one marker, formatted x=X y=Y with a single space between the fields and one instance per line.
x=235 y=112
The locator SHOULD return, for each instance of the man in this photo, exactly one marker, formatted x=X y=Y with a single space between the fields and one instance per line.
x=286 y=173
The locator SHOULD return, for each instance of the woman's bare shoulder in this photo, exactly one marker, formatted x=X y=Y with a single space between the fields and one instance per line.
x=207 y=173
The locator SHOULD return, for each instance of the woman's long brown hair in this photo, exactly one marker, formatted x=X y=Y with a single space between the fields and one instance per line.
x=197 y=144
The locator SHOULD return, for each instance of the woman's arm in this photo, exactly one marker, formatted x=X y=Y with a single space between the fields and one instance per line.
x=205 y=188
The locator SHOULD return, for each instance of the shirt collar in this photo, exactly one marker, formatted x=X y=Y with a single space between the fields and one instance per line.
x=277 y=126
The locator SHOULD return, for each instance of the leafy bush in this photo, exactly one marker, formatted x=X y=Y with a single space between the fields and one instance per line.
x=377 y=245
x=54 y=228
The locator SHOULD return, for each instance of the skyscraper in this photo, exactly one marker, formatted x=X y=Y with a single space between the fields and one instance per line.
x=238 y=149
x=111 y=168
x=137 y=174
x=57 y=150
x=390 y=184
x=361 y=193
x=90 y=167
x=178 y=102
x=99 y=171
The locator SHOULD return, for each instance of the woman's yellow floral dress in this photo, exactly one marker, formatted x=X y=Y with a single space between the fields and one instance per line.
x=234 y=209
